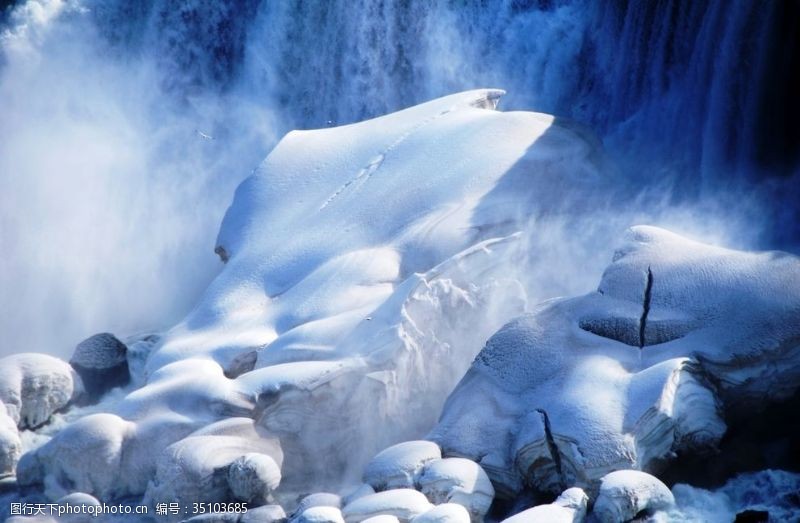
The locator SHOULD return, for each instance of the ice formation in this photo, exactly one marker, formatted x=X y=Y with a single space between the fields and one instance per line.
x=366 y=266
x=677 y=334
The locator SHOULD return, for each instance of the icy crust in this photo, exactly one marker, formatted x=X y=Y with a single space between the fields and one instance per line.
x=366 y=266
x=678 y=335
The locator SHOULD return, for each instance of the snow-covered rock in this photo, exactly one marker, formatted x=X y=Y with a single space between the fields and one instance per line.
x=264 y=514
x=404 y=504
x=625 y=493
x=622 y=378
x=383 y=518
x=399 y=465
x=253 y=477
x=196 y=468
x=569 y=507
x=444 y=513
x=320 y=514
x=85 y=457
x=318 y=499
x=34 y=386
x=101 y=361
x=457 y=480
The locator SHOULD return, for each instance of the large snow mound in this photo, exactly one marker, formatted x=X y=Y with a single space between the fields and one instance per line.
x=366 y=265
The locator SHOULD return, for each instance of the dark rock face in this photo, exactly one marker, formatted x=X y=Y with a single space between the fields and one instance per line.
x=101 y=362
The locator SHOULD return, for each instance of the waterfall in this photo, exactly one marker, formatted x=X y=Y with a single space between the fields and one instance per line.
x=126 y=125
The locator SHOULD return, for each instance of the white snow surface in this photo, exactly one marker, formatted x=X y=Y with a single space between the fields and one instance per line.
x=569 y=507
x=404 y=504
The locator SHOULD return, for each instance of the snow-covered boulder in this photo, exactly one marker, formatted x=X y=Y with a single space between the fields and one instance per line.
x=404 y=504
x=457 y=480
x=34 y=386
x=570 y=507
x=383 y=518
x=253 y=477
x=678 y=335
x=264 y=514
x=318 y=499
x=196 y=469
x=101 y=361
x=84 y=457
x=399 y=465
x=444 y=513
x=320 y=514
x=626 y=493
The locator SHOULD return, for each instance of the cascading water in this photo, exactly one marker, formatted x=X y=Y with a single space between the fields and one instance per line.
x=126 y=125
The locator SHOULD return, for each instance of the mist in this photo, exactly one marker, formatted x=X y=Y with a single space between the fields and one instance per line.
x=111 y=187
x=125 y=128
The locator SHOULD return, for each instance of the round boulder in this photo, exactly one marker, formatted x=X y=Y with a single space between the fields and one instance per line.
x=253 y=477
x=101 y=363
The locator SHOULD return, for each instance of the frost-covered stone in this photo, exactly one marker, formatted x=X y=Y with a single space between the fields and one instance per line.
x=318 y=499
x=383 y=518
x=560 y=397
x=444 y=513
x=78 y=498
x=264 y=514
x=196 y=468
x=625 y=493
x=34 y=386
x=457 y=480
x=10 y=444
x=404 y=504
x=253 y=477
x=101 y=363
x=570 y=507
x=320 y=514
x=85 y=457
x=399 y=465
